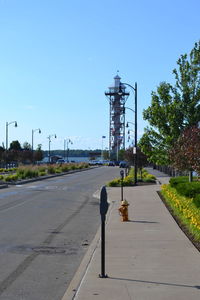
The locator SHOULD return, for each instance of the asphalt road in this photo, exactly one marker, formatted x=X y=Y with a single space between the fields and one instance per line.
x=45 y=230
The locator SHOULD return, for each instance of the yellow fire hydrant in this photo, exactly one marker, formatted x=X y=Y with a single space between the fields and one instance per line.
x=123 y=211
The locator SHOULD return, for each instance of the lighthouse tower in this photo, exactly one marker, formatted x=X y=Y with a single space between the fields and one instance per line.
x=117 y=96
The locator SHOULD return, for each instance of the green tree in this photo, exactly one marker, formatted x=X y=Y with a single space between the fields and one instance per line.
x=15 y=145
x=185 y=154
x=38 y=153
x=2 y=150
x=141 y=157
x=173 y=108
x=106 y=155
x=26 y=146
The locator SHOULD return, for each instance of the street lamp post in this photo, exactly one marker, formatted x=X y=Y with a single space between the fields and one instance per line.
x=64 y=148
x=68 y=141
x=135 y=123
x=7 y=124
x=103 y=137
x=34 y=130
x=49 y=138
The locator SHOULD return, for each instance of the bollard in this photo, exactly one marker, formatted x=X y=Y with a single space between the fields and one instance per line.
x=103 y=210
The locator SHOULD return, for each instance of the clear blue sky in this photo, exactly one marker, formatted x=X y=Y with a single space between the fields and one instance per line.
x=57 y=58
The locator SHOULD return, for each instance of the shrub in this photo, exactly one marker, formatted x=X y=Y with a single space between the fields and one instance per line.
x=196 y=200
x=51 y=170
x=13 y=177
x=128 y=181
x=149 y=178
x=188 y=189
x=114 y=182
x=65 y=168
x=73 y=167
x=20 y=172
x=176 y=180
x=42 y=169
x=42 y=173
x=30 y=173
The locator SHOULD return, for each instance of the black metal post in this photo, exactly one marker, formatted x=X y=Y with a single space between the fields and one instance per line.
x=122 y=178
x=64 y=147
x=32 y=146
x=49 y=149
x=103 y=211
x=103 y=275
x=135 y=146
x=135 y=161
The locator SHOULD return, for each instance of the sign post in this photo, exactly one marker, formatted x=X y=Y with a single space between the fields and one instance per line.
x=103 y=210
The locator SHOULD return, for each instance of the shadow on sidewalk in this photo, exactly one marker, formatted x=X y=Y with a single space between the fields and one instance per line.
x=155 y=282
x=143 y=222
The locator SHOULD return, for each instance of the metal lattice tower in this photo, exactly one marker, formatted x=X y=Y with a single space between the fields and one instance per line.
x=117 y=98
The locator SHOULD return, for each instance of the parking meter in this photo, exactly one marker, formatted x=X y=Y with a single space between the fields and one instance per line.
x=122 y=174
x=103 y=203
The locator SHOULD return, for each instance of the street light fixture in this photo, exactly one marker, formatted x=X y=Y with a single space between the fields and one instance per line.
x=7 y=124
x=135 y=111
x=127 y=126
x=68 y=141
x=34 y=130
x=49 y=138
x=129 y=109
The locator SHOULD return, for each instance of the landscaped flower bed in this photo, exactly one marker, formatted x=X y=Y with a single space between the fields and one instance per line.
x=26 y=172
x=184 y=208
x=142 y=176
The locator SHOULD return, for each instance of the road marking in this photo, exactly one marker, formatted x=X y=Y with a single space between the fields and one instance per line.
x=32 y=187
x=16 y=205
x=96 y=194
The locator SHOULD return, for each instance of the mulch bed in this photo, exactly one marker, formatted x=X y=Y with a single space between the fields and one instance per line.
x=180 y=224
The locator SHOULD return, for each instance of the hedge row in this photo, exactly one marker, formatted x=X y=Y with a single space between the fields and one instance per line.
x=187 y=189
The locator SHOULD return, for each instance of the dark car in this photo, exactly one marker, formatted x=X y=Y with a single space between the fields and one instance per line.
x=123 y=164
x=111 y=163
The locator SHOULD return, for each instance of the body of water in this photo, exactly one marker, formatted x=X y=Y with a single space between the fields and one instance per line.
x=78 y=159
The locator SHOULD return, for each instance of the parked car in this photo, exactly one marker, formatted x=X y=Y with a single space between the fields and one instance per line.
x=123 y=164
x=111 y=163
x=60 y=161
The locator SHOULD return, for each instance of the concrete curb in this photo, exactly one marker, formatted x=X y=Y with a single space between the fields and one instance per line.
x=80 y=273
x=76 y=281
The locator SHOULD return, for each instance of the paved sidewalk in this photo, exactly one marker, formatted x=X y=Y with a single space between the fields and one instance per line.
x=147 y=258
